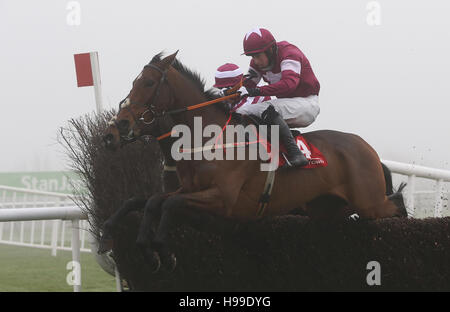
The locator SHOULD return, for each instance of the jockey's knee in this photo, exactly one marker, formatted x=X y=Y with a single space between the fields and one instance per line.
x=306 y=118
x=302 y=121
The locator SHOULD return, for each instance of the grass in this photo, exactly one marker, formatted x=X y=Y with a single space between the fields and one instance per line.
x=25 y=269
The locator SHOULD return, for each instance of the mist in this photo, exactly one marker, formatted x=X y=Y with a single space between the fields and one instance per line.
x=386 y=81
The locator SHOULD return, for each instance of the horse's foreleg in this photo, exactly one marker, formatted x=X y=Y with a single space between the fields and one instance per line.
x=185 y=209
x=152 y=212
x=110 y=225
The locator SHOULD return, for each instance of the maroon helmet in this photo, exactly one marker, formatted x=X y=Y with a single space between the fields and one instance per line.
x=258 y=40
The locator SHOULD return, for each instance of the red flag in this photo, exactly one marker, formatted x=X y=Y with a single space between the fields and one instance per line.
x=84 y=70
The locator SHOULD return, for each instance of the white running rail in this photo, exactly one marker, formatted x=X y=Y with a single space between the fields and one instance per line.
x=38 y=233
x=74 y=214
x=26 y=215
x=37 y=211
x=414 y=171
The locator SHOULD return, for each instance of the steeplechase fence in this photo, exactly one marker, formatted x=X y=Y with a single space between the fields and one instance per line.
x=50 y=220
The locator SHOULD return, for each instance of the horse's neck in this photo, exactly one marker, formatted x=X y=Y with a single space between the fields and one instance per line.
x=210 y=115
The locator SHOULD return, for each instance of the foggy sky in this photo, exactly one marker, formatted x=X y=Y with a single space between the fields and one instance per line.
x=387 y=83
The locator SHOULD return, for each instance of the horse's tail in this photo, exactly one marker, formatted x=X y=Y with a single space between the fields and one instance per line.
x=397 y=199
x=397 y=196
x=388 y=179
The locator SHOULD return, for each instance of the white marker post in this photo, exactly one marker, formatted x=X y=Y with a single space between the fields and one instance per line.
x=88 y=74
x=97 y=82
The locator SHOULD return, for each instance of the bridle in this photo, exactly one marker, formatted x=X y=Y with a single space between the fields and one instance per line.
x=150 y=105
x=130 y=137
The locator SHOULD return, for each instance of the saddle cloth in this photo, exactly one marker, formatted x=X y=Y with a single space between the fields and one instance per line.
x=312 y=153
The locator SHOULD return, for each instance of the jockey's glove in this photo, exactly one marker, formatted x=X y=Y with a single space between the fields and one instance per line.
x=249 y=91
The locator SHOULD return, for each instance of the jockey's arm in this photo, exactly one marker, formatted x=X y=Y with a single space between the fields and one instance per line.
x=253 y=82
x=290 y=79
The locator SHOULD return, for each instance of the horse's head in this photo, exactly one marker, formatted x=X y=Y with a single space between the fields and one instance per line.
x=141 y=111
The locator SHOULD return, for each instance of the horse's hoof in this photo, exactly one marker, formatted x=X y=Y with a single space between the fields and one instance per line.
x=155 y=262
x=104 y=245
x=353 y=217
x=170 y=263
x=149 y=256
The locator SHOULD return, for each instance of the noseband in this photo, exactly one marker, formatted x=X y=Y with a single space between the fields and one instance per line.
x=150 y=105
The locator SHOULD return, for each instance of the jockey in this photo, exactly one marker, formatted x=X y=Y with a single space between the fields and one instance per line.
x=290 y=78
x=228 y=76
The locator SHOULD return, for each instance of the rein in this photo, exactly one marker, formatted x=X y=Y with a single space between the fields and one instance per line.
x=189 y=108
x=230 y=94
x=192 y=107
x=200 y=105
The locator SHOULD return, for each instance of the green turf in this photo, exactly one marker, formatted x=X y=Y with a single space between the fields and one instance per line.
x=24 y=269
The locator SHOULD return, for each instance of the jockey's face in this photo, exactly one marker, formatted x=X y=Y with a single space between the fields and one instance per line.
x=261 y=60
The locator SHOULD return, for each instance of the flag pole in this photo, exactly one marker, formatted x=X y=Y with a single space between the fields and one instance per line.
x=97 y=81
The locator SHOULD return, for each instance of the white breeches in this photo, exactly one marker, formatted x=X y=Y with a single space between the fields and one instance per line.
x=298 y=112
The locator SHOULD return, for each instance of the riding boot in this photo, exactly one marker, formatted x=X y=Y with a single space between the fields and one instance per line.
x=295 y=158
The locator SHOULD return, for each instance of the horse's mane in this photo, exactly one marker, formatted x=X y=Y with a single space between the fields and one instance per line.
x=195 y=78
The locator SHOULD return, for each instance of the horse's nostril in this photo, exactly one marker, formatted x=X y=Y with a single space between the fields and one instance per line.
x=108 y=141
x=123 y=124
x=108 y=138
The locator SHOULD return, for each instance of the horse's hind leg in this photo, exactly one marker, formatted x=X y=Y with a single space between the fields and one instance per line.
x=328 y=207
x=110 y=225
x=369 y=200
x=366 y=193
x=383 y=209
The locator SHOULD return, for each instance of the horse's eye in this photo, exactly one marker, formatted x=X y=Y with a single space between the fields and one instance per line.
x=149 y=83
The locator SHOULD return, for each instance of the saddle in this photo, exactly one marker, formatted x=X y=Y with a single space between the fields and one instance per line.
x=312 y=153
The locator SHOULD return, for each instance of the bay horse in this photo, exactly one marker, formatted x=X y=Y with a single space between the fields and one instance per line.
x=159 y=99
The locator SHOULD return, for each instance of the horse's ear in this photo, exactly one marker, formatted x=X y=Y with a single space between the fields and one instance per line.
x=168 y=60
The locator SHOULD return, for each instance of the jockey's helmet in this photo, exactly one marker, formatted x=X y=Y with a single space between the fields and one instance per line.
x=228 y=75
x=258 y=40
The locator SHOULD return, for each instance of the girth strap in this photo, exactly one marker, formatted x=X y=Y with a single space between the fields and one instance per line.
x=267 y=191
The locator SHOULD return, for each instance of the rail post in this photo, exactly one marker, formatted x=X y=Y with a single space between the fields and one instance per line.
x=76 y=251
x=439 y=198
x=411 y=187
